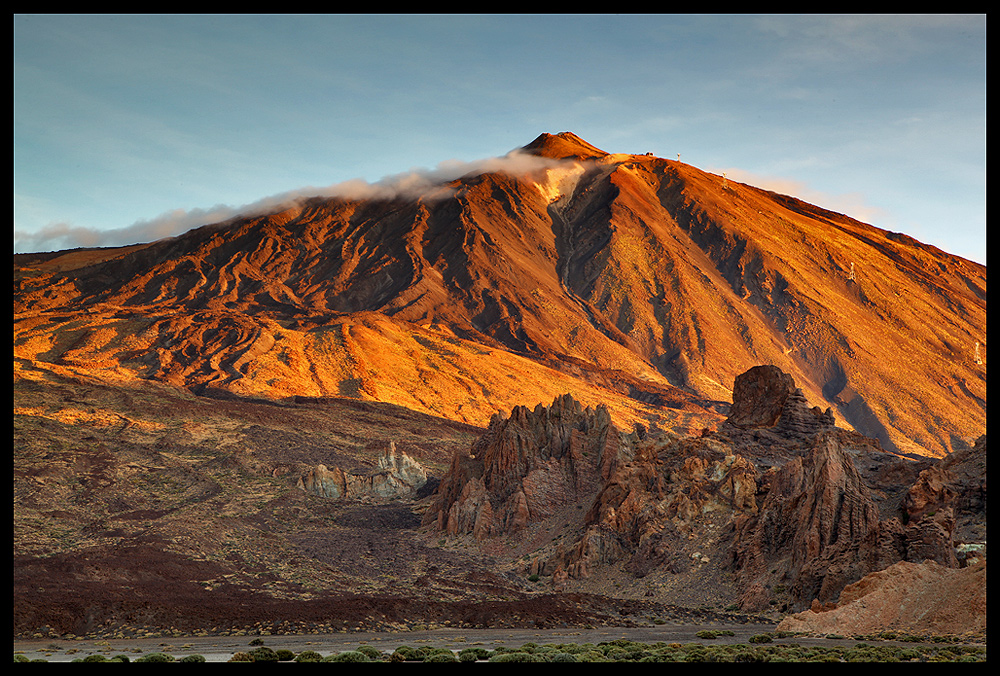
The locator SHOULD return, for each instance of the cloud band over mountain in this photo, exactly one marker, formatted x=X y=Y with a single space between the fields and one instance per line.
x=419 y=182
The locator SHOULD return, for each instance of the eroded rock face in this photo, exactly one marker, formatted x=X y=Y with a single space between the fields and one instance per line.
x=397 y=475
x=788 y=508
x=817 y=529
x=527 y=465
x=650 y=507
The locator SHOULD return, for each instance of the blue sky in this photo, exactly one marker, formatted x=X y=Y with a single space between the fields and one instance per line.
x=128 y=128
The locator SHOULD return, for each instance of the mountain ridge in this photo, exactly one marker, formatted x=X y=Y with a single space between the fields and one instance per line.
x=616 y=267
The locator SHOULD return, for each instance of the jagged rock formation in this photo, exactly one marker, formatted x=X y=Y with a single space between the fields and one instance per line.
x=651 y=505
x=817 y=528
x=527 y=465
x=397 y=475
x=778 y=498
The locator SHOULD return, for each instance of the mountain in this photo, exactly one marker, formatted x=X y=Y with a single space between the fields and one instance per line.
x=571 y=388
x=627 y=280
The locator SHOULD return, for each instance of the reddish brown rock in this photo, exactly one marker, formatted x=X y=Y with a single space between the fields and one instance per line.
x=766 y=397
x=922 y=598
x=526 y=466
x=759 y=396
x=816 y=509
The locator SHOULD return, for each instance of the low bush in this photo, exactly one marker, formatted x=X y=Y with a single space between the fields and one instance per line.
x=348 y=656
x=263 y=654
x=156 y=657
x=473 y=654
x=94 y=658
x=563 y=657
x=373 y=653
x=441 y=657
x=515 y=657
x=308 y=656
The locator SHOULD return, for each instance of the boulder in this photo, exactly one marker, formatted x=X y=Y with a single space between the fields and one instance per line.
x=766 y=397
x=759 y=397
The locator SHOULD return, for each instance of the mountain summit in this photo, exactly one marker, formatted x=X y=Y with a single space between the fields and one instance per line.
x=632 y=281
x=565 y=145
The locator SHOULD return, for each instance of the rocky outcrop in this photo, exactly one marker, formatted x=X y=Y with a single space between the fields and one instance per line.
x=649 y=508
x=788 y=509
x=766 y=397
x=396 y=475
x=945 y=510
x=922 y=598
x=759 y=396
x=817 y=529
x=841 y=507
x=526 y=466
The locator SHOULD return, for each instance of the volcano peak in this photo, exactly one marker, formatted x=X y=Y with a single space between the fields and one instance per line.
x=564 y=145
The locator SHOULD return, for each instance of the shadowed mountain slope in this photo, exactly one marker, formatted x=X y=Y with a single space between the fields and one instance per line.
x=632 y=281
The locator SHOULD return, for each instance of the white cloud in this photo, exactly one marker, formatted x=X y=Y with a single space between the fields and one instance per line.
x=411 y=184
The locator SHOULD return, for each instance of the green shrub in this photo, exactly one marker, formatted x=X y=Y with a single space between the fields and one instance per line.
x=285 y=655
x=564 y=657
x=263 y=654
x=761 y=638
x=372 y=652
x=441 y=657
x=192 y=658
x=623 y=653
x=348 y=656
x=592 y=655
x=405 y=653
x=308 y=656
x=94 y=658
x=473 y=654
x=517 y=656
x=156 y=657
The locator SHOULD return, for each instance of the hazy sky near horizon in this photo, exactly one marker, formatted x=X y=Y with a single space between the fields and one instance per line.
x=128 y=128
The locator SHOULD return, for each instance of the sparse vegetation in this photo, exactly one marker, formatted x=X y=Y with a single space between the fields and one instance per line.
x=761 y=648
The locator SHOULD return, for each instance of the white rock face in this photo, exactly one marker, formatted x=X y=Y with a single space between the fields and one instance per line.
x=397 y=475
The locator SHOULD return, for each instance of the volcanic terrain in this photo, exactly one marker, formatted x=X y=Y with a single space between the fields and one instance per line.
x=603 y=388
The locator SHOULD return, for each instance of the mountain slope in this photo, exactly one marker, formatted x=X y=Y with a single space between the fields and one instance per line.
x=629 y=280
